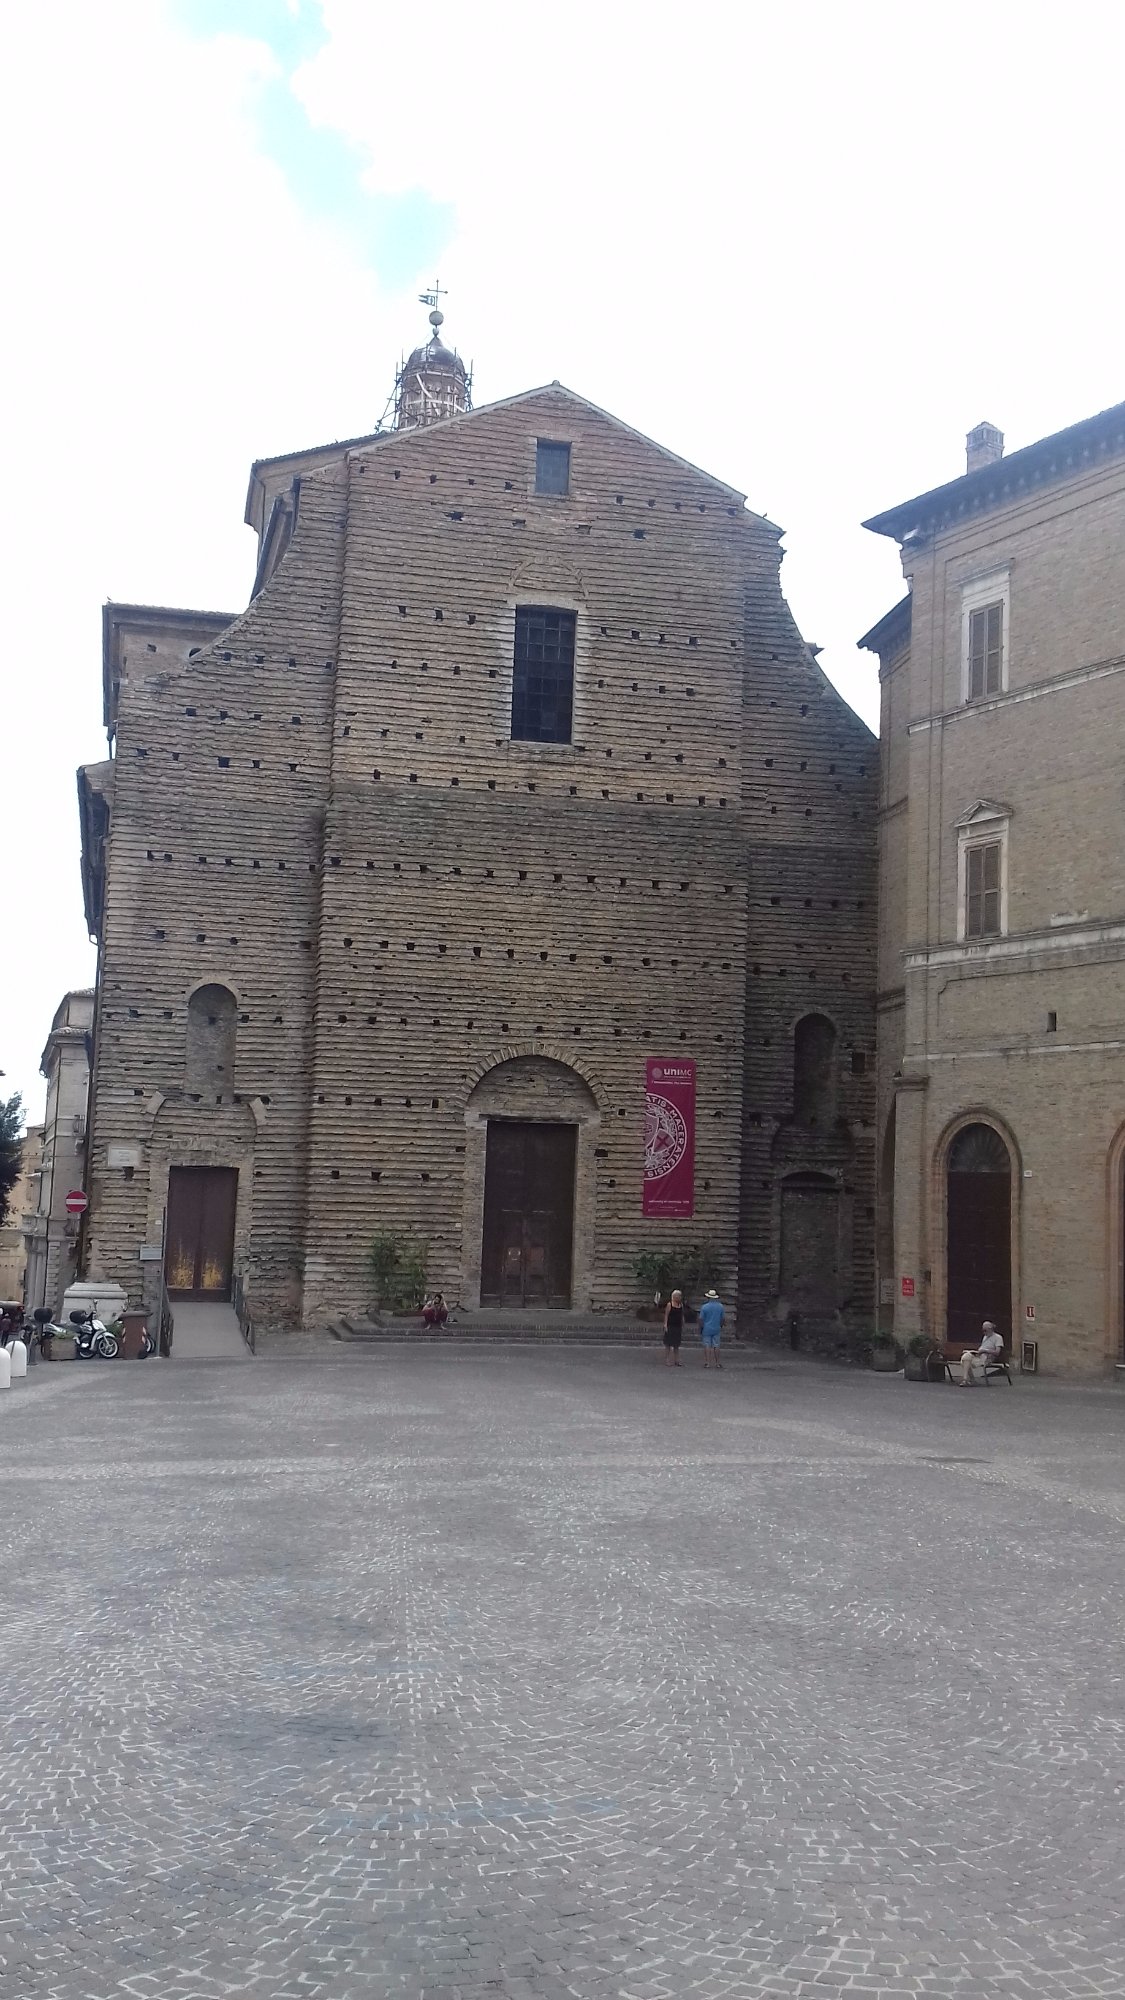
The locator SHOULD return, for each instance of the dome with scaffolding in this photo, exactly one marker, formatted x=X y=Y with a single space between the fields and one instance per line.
x=432 y=383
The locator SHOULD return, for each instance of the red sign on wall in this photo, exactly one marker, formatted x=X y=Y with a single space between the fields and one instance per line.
x=669 y=1184
x=908 y=1288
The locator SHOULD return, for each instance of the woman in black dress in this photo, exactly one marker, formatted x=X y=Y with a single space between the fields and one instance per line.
x=673 y=1329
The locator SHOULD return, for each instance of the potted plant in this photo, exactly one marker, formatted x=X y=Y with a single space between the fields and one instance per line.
x=923 y=1362
x=884 y=1353
x=689 y=1267
x=653 y=1269
x=396 y=1266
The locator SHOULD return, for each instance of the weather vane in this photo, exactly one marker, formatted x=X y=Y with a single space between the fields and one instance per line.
x=433 y=297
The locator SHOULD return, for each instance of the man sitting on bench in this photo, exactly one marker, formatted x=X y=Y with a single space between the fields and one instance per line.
x=975 y=1360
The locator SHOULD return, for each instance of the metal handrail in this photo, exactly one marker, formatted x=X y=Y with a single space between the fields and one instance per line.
x=166 y=1322
x=238 y=1300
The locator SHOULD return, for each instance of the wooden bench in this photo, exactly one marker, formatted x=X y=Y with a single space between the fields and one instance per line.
x=996 y=1364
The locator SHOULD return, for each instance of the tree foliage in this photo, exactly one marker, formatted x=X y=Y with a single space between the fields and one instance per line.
x=11 y=1119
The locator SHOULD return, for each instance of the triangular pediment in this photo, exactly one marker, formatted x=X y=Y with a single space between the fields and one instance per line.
x=983 y=810
x=554 y=392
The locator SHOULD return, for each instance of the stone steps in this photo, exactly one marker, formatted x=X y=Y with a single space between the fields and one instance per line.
x=553 y=1329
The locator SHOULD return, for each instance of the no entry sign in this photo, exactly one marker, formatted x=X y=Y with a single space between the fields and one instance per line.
x=76 y=1202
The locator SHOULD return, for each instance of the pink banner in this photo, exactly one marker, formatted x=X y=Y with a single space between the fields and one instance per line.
x=669 y=1185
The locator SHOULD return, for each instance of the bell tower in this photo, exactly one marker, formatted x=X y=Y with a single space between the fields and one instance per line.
x=433 y=382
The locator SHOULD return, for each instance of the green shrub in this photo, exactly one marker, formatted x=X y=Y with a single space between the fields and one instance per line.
x=921 y=1344
x=396 y=1266
x=691 y=1268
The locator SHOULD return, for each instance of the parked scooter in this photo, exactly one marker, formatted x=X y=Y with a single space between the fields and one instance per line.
x=92 y=1338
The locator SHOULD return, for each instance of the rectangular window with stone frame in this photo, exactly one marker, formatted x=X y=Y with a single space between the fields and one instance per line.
x=982 y=890
x=543 y=674
x=986 y=651
x=552 y=467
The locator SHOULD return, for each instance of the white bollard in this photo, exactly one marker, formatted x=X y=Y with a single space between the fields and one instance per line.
x=18 y=1352
x=5 y=1369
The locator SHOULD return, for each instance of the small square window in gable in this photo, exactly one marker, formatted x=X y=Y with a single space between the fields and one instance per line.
x=552 y=467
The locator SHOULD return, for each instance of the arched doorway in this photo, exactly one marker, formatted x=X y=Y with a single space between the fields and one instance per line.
x=531 y=1122
x=978 y=1234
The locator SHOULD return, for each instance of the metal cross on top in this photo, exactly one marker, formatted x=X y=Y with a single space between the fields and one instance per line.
x=433 y=297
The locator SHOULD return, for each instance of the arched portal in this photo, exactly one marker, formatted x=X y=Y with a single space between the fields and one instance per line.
x=978 y=1234
x=537 y=1119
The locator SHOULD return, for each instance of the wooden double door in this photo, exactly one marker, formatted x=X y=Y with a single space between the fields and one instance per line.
x=979 y=1232
x=199 y=1235
x=527 y=1253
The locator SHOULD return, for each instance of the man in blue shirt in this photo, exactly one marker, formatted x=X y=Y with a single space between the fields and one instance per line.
x=711 y=1318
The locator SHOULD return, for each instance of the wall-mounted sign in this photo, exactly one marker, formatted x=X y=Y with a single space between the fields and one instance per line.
x=669 y=1183
x=76 y=1202
x=118 y=1155
x=908 y=1288
x=150 y=1254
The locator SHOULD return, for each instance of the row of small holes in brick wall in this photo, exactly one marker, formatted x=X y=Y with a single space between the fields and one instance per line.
x=223 y=763
x=803 y=765
x=511 y=486
x=491 y=784
x=606 y=958
x=641 y=798
x=619 y=1033
x=203 y=861
x=833 y=903
x=577 y=749
x=444 y=1180
x=485 y=874
x=604 y=632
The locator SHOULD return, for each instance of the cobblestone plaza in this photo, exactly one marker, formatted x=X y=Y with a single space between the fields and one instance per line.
x=499 y=1673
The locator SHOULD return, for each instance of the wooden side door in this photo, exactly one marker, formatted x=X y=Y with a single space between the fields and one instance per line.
x=199 y=1236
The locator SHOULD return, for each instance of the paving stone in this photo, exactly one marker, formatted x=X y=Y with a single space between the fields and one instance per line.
x=534 y=1674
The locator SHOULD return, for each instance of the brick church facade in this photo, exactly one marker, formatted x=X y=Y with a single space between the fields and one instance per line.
x=514 y=776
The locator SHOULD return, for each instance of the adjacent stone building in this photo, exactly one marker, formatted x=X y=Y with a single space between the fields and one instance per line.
x=51 y=1236
x=514 y=784
x=23 y=1198
x=1002 y=900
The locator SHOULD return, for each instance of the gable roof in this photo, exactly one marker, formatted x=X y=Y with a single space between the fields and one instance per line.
x=1050 y=458
x=321 y=454
x=892 y=627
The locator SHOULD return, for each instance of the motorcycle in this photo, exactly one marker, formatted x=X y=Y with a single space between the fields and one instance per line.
x=92 y=1338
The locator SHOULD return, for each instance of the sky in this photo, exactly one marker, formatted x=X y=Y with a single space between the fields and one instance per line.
x=806 y=246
